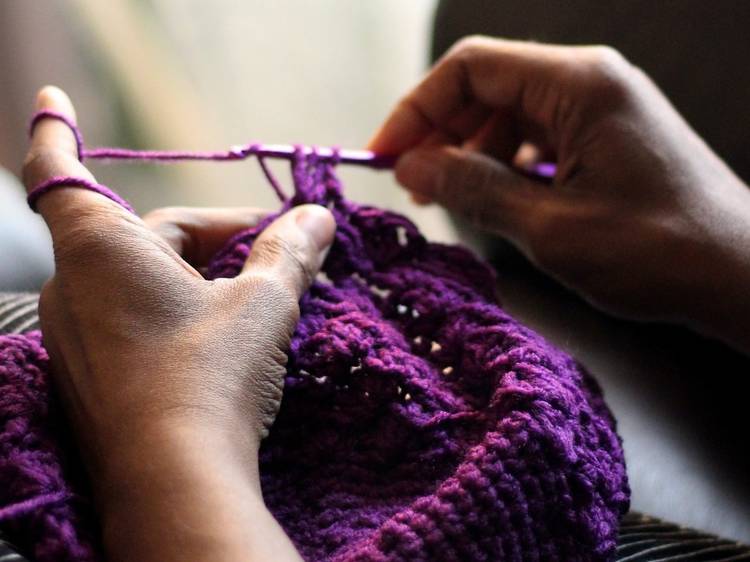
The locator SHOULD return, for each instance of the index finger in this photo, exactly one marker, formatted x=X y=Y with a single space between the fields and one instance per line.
x=53 y=153
x=493 y=72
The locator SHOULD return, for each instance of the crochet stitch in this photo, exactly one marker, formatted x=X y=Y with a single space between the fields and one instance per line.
x=419 y=420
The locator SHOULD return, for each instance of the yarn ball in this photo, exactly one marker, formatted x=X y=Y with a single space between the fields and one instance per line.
x=419 y=422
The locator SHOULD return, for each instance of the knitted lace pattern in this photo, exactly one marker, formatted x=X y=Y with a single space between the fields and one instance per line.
x=419 y=421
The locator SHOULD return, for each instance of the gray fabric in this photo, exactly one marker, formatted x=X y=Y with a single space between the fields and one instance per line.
x=644 y=538
x=18 y=312
x=8 y=553
x=25 y=248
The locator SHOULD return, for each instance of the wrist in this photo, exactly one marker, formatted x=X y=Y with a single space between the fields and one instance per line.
x=179 y=490
x=165 y=451
x=722 y=311
x=720 y=306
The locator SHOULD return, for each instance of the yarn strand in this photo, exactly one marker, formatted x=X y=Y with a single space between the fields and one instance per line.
x=73 y=181
x=329 y=155
x=237 y=152
x=28 y=505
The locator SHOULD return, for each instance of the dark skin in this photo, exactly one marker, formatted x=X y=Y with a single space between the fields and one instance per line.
x=154 y=362
x=170 y=381
x=643 y=219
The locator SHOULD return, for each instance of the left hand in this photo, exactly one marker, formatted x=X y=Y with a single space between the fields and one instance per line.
x=151 y=360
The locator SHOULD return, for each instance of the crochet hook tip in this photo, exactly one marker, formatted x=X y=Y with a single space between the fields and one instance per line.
x=343 y=156
x=369 y=158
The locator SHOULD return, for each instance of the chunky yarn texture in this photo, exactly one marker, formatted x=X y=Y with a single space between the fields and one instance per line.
x=419 y=422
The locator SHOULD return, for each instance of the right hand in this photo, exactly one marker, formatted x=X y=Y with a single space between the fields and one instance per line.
x=642 y=218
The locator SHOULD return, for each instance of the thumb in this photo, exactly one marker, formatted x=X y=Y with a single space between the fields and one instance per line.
x=292 y=249
x=476 y=186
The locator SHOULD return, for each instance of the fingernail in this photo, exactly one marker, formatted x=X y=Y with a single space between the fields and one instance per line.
x=318 y=223
x=416 y=171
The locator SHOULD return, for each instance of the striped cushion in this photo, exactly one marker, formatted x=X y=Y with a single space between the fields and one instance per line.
x=8 y=553
x=647 y=539
x=18 y=312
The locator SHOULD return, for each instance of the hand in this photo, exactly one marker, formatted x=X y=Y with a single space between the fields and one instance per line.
x=642 y=219
x=154 y=363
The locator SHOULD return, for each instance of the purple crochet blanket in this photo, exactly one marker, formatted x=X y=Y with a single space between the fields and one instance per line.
x=419 y=420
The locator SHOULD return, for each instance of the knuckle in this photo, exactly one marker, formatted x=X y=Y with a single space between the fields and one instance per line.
x=410 y=105
x=606 y=57
x=469 y=43
x=40 y=163
x=608 y=74
x=470 y=46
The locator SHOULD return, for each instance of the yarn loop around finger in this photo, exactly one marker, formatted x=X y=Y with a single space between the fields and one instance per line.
x=51 y=114
x=76 y=182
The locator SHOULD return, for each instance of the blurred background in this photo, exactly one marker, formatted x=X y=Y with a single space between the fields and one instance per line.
x=193 y=74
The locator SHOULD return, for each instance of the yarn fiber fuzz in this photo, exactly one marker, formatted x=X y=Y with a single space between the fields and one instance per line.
x=420 y=422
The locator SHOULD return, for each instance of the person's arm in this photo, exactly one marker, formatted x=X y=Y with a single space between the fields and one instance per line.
x=169 y=380
x=642 y=218
x=188 y=493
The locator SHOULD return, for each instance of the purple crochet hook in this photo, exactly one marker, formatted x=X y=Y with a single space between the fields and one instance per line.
x=344 y=156
x=238 y=152
x=241 y=152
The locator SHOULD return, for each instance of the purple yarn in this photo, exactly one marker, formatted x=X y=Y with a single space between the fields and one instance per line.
x=52 y=114
x=40 y=506
x=419 y=420
x=68 y=181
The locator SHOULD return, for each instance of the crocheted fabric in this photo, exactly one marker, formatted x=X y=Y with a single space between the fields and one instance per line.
x=419 y=420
